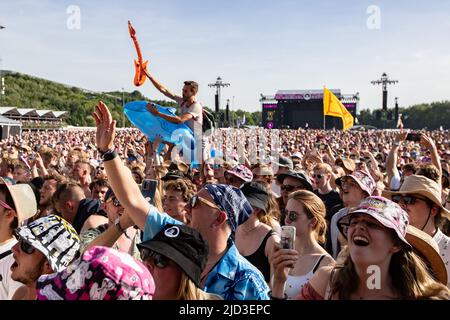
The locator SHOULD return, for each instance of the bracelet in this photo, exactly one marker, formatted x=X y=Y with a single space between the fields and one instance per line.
x=110 y=155
x=103 y=152
x=275 y=298
x=121 y=230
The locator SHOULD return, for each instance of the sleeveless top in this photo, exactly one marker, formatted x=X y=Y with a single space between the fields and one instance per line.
x=259 y=259
x=294 y=284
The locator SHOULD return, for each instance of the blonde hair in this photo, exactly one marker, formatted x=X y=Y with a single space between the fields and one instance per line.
x=272 y=215
x=314 y=209
x=189 y=291
x=323 y=166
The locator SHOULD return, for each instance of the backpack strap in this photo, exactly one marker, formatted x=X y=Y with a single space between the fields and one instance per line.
x=5 y=254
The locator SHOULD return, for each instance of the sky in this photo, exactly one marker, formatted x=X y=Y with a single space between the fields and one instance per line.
x=258 y=47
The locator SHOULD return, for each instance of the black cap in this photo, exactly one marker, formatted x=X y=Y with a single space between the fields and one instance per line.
x=184 y=246
x=174 y=175
x=299 y=176
x=285 y=162
x=256 y=194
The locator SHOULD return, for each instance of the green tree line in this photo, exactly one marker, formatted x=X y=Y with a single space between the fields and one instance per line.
x=24 y=91
x=426 y=115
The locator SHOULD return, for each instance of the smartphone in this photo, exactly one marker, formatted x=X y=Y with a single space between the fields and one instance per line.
x=288 y=237
x=413 y=137
x=148 y=189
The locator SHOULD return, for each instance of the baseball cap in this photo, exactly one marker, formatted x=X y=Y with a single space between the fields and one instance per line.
x=184 y=246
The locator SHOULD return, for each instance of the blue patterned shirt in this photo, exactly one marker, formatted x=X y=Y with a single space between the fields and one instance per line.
x=233 y=277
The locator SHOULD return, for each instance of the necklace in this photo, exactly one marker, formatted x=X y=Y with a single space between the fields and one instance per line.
x=251 y=229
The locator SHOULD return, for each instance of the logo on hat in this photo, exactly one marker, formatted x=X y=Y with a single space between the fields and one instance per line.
x=172 y=232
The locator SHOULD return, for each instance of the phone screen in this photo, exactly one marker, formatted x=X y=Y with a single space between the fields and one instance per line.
x=148 y=189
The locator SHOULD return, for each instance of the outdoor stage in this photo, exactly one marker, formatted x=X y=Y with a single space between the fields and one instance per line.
x=302 y=108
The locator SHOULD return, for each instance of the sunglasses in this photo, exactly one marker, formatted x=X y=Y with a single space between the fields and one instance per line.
x=354 y=221
x=116 y=203
x=292 y=215
x=317 y=176
x=194 y=201
x=408 y=200
x=159 y=260
x=290 y=188
x=5 y=205
x=24 y=246
x=100 y=168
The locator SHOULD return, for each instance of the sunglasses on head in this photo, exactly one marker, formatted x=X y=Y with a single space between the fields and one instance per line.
x=159 y=260
x=292 y=215
x=408 y=200
x=194 y=201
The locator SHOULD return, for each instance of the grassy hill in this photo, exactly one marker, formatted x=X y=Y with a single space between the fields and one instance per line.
x=24 y=91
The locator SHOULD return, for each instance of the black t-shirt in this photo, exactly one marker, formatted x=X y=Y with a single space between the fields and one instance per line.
x=333 y=204
x=87 y=208
x=331 y=200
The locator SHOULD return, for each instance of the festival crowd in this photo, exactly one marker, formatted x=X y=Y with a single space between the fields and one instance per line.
x=107 y=214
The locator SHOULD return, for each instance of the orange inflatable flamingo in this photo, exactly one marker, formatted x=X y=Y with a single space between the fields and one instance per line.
x=139 y=65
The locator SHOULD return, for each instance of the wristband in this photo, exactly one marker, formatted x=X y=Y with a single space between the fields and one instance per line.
x=109 y=155
x=274 y=298
x=121 y=230
x=103 y=152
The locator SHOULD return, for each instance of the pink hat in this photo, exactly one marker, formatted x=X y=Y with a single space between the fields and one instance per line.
x=363 y=179
x=242 y=172
x=385 y=211
x=100 y=274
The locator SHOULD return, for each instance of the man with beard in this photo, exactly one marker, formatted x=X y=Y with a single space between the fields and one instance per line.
x=49 y=187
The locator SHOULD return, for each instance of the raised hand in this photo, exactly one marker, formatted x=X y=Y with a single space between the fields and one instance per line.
x=152 y=109
x=106 y=127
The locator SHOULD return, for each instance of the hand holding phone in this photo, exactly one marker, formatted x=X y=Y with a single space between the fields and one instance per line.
x=413 y=137
x=148 y=189
x=288 y=237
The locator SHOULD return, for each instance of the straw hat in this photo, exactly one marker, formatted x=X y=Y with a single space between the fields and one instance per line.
x=346 y=163
x=428 y=250
x=422 y=186
x=24 y=200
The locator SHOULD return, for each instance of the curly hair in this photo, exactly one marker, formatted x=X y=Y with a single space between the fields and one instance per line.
x=186 y=187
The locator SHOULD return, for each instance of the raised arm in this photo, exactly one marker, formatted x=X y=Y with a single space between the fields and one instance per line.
x=120 y=178
x=164 y=90
x=391 y=161
x=435 y=159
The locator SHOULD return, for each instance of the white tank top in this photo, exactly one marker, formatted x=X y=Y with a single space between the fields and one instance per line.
x=295 y=283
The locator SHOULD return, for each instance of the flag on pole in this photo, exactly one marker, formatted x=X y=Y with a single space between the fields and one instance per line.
x=334 y=108
x=243 y=119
